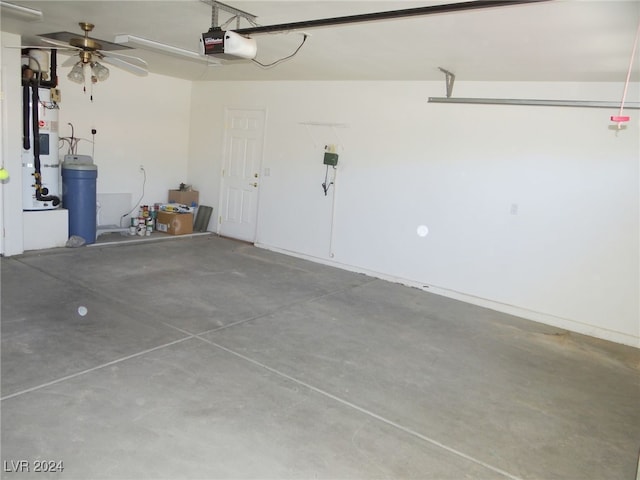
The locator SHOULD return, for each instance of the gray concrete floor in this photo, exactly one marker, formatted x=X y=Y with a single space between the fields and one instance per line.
x=203 y=357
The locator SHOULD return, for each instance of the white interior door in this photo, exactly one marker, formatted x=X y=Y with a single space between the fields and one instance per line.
x=242 y=158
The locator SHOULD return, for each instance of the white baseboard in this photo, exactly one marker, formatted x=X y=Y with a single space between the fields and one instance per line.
x=548 y=319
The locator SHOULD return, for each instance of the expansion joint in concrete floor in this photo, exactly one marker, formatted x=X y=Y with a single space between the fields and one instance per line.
x=189 y=336
x=362 y=410
x=93 y=369
x=280 y=309
x=307 y=370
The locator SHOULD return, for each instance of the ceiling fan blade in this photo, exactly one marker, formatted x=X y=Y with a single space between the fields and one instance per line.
x=69 y=38
x=129 y=67
x=60 y=44
x=137 y=61
x=41 y=47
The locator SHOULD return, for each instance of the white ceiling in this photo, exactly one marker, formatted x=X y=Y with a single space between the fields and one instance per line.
x=572 y=40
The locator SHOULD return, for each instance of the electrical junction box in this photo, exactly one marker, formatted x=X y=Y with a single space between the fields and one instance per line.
x=330 y=159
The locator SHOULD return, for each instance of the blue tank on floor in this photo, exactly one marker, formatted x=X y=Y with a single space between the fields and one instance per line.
x=79 y=198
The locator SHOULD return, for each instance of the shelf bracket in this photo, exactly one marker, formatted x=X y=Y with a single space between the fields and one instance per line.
x=449 y=78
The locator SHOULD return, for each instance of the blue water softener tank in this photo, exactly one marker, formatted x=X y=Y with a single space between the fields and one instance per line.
x=79 y=175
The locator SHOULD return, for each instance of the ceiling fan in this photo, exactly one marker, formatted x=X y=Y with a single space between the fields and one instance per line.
x=89 y=52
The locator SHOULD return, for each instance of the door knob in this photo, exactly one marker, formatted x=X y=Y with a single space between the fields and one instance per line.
x=255 y=184
x=255 y=175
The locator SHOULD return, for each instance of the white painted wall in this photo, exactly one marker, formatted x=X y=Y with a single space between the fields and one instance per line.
x=11 y=190
x=139 y=121
x=568 y=258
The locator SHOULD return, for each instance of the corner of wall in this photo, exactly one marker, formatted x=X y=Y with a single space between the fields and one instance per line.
x=11 y=223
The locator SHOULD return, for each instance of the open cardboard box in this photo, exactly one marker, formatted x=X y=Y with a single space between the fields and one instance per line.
x=174 y=223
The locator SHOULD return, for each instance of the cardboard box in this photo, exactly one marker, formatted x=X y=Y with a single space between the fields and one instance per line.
x=174 y=223
x=189 y=198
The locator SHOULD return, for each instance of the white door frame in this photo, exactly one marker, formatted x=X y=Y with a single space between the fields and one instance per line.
x=225 y=146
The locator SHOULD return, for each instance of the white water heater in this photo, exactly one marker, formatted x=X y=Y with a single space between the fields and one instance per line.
x=47 y=136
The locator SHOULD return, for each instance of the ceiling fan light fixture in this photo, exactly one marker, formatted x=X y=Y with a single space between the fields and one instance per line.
x=76 y=74
x=99 y=71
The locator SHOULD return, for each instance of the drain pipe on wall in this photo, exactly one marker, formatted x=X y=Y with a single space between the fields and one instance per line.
x=42 y=193
x=33 y=84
